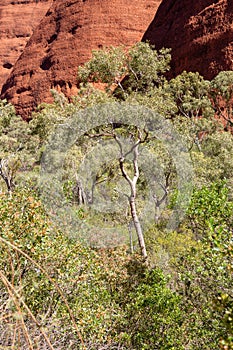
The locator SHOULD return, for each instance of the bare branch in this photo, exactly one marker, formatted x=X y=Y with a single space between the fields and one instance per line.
x=92 y=136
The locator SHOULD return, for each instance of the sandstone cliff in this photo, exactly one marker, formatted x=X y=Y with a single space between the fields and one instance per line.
x=199 y=32
x=64 y=40
x=18 y=18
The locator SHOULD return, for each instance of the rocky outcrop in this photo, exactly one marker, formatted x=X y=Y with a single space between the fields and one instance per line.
x=199 y=32
x=18 y=18
x=64 y=40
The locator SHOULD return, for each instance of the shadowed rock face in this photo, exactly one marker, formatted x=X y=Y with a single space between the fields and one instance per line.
x=199 y=32
x=18 y=18
x=64 y=40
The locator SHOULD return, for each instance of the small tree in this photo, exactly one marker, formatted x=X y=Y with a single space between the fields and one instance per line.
x=221 y=92
x=190 y=93
x=138 y=137
x=142 y=67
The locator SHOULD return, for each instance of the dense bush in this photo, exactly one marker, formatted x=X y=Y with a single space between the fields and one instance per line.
x=56 y=293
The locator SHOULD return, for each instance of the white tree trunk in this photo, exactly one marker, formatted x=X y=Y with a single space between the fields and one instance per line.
x=137 y=226
x=132 y=197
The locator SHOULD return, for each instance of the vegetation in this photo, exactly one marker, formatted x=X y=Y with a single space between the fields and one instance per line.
x=58 y=293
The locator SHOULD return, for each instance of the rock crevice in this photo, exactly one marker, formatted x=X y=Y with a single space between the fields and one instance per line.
x=200 y=35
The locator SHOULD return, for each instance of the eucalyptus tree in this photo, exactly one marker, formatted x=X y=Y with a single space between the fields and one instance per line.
x=221 y=93
x=142 y=67
x=137 y=70
x=137 y=137
x=193 y=114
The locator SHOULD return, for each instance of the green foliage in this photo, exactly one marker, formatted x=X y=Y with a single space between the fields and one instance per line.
x=112 y=296
x=190 y=92
x=15 y=135
x=153 y=314
x=106 y=66
x=146 y=67
x=106 y=298
x=214 y=161
x=48 y=116
x=204 y=277
x=222 y=85
x=193 y=115
x=22 y=219
x=7 y=111
x=18 y=148
x=205 y=272
x=95 y=284
x=224 y=304
x=211 y=208
x=142 y=66
x=52 y=260
x=221 y=93
x=165 y=248
x=157 y=99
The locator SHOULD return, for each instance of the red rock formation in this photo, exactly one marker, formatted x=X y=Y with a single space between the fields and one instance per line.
x=18 y=18
x=199 y=32
x=64 y=40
